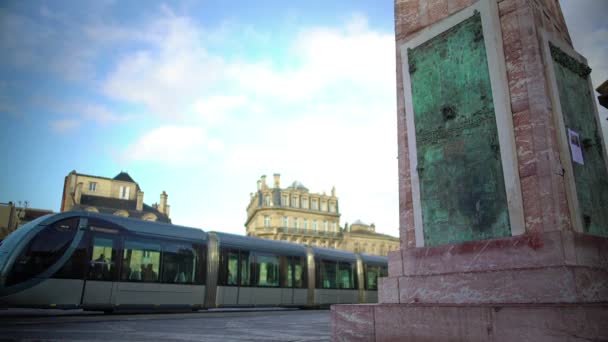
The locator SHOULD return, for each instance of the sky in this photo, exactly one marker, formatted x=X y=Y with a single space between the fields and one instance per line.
x=201 y=98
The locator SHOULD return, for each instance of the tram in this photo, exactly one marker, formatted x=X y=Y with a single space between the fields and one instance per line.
x=104 y=262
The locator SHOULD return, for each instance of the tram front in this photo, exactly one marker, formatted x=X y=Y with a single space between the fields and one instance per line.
x=34 y=260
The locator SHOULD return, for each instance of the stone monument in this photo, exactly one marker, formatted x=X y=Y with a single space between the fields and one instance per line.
x=503 y=182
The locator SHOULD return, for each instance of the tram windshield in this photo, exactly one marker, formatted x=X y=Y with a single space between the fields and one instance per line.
x=43 y=250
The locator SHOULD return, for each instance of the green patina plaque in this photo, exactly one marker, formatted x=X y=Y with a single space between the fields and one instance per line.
x=590 y=178
x=462 y=189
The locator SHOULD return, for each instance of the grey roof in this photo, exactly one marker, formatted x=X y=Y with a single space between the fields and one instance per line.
x=123 y=176
x=372 y=234
x=298 y=186
x=136 y=225
x=334 y=254
x=360 y=222
x=108 y=205
x=374 y=259
x=262 y=245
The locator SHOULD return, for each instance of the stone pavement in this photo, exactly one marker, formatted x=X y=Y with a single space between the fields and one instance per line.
x=216 y=325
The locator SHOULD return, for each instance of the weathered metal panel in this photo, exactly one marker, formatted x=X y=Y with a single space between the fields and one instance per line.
x=577 y=105
x=462 y=189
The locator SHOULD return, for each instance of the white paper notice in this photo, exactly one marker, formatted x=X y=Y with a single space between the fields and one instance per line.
x=575 y=147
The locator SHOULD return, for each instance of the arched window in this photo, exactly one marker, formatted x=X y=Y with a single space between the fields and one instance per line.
x=122 y=213
x=149 y=217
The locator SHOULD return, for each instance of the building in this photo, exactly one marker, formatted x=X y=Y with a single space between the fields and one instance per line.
x=362 y=238
x=120 y=196
x=12 y=216
x=296 y=215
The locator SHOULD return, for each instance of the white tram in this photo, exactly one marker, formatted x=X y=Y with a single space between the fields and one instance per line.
x=105 y=262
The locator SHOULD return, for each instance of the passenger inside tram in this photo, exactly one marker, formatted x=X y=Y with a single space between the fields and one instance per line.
x=148 y=273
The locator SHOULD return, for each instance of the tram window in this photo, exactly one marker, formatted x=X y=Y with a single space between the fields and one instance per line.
x=141 y=261
x=101 y=265
x=76 y=266
x=371 y=277
x=229 y=265
x=346 y=275
x=292 y=270
x=246 y=268
x=267 y=267
x=43 y=250
x=233 y=268
x=299 y=274
x=285 y=267
x=179 y=264
x=328 y=272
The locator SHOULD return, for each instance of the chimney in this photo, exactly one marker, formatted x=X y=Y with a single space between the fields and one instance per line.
x=259 y=185
x=77 y=193
x=277 y=180
x=162 y=207
x=263 y=182
x=140 y=201
x=333 y=191
x=168 y=210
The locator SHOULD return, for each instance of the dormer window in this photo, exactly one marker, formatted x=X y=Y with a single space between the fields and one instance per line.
x=267 y=200
x=285 y=200
x=304 y=203
x=332 y=207
x=315 y=204
x=294 y=201
x=323 y=206
x=124 y=192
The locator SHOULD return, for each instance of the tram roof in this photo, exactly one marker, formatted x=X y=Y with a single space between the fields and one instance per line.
x=262 y=245
x=334 y=254
x=158 y=229
x=374 y=259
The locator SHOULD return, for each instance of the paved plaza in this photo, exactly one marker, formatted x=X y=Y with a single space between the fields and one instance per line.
x=225 y=326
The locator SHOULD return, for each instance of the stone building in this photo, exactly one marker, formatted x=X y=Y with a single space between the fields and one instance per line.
x=12 y=216
x=120 y=196
x=296 y=215
x=360 y=237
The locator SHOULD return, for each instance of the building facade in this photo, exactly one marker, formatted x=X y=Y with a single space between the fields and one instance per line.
x=13 y=216
x=120 y=196
x=360 y=237
x=296 y=215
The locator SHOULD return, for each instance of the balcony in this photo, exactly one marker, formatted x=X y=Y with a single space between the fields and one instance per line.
x=308 y=232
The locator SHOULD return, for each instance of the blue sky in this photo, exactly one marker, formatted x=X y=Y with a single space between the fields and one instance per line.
x=200 y=98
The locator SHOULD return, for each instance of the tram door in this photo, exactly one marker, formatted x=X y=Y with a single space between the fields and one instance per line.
x=102 y=270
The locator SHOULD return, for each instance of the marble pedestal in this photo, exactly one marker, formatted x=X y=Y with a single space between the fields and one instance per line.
x=468 y=323
x=534 y=287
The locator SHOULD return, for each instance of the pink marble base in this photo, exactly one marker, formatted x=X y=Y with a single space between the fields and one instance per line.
x=552 y=267
x=421 y=322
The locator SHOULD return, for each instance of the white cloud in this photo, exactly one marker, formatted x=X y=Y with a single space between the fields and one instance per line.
x=326 y=59
x=168 y=78
x=176 y=144
x=65 y=125
x=214 y=110
x=323 y=113
x=100 y=114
